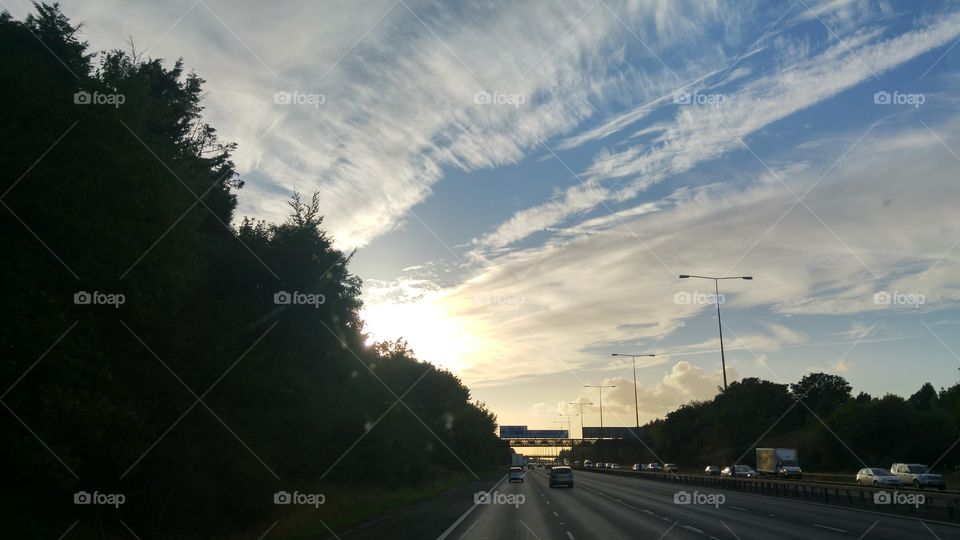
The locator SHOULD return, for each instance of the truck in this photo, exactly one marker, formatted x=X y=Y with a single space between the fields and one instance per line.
x=780 y=462
x=518 y=460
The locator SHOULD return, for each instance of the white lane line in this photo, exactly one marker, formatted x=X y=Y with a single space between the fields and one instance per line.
x=556 y=514
x=828 y=528
x=569 y=535
x=738 y=508
x=466 y=532
x=694 y=529
x=463 y=516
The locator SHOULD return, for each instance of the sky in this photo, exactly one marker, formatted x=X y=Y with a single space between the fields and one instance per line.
x=525 y=182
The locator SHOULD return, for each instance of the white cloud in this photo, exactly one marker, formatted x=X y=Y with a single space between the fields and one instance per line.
x=698 y=134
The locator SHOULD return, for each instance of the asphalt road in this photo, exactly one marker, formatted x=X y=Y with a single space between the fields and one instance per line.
x=611 y=507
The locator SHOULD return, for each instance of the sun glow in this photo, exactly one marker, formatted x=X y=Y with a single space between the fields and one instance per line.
x=431 y=331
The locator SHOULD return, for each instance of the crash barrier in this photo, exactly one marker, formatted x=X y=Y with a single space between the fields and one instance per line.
x=897 y=500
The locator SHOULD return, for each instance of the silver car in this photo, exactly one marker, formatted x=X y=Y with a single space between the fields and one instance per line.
x=739 y=471
x=877 y=477
x=561 y=476
x=917 y=475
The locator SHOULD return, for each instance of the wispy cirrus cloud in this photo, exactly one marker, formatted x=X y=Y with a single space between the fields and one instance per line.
x=802 y=78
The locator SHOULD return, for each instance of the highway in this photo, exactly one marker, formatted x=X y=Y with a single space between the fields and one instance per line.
x=611 y=507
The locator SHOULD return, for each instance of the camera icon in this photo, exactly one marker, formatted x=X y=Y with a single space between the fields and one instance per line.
x=282 y=298
x=82 y=497
x=282 y=98
x=282 y=497
x=82 y=298
x=682 y=497
x=881 y=98
x=682 y=98
x=881 y=497
x=481 y=497
x=82 y=98
x=882 y=298
x=682 y=298
x=482 y=98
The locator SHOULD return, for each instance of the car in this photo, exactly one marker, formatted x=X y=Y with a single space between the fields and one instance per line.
x=578 y=463
x=711 y=470
x=654 y=467
x=670 y=467
x=516 y=474
x=547 y=467
x=917 y=475
x=637 y=467
x=588 y=463
x=614 y=466
x=561 y=476
x=739 y=471
x=873 y=476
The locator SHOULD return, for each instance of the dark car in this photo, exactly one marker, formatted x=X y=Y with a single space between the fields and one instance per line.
x=561 y=476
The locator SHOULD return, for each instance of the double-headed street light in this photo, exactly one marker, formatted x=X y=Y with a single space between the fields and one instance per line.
x=581 y=404
x=716 y=300
x=636 y=404
x=599 y=387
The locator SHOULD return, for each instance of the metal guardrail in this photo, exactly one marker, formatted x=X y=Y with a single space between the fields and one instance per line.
x=941 y=504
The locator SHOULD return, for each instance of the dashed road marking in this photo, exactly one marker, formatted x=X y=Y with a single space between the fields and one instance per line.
x=556 y=514
x=738 y=508
x=569 y=535
x=694 y=529
x=829 y=528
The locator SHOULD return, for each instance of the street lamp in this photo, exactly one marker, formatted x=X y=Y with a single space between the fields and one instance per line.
x=569 y=423
x=600 y=387
x=581 y=404
x=716 y=299
x=633 y=359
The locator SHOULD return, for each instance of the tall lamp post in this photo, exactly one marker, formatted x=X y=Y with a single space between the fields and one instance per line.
x=636 y=404
x=600 y=387
x=716 y=299
x=581 y=404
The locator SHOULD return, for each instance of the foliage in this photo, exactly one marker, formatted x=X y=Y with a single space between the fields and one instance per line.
x=199 y=396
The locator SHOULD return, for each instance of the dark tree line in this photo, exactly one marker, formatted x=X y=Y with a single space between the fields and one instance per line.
x=199 y=396
x=834 y=430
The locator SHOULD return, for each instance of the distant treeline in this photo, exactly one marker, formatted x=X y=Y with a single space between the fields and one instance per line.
x=154 y=350
x=833 y=429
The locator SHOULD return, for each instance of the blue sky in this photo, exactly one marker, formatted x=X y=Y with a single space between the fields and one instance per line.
x=525 y=182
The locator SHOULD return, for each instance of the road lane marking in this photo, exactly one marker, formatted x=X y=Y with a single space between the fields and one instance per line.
x=463 y=516
x=738 y=508
x=694 y=529
x=469 y=529
x=569 y=535
x=556 y=514
x=829 y=528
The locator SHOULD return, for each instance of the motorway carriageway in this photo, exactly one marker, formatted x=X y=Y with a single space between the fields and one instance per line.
x=611 y=507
